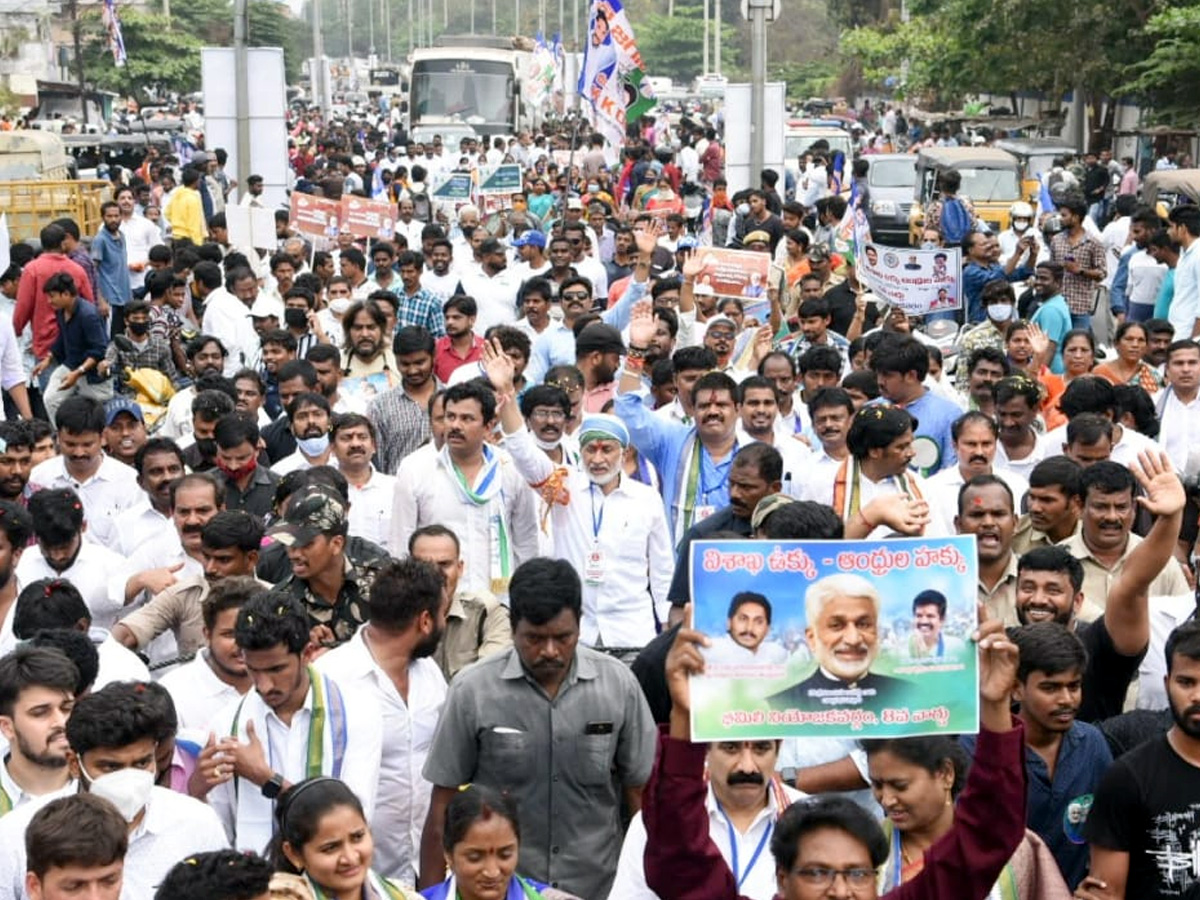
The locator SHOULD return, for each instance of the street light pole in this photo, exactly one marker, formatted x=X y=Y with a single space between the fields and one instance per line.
x=241 y=78
x=758 y=10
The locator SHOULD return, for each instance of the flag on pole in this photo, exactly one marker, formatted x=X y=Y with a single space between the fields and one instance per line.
x=112 y=25
x=5 y=243
x=612 y=71
x=539 y=82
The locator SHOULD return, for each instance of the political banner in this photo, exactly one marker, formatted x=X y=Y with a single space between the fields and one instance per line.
x=315 y=217
x=368 y=218
x=735 y=273
x=454 y=186
x=610 y=78
x=845 y=639
x=918 y=281
x=504 y=179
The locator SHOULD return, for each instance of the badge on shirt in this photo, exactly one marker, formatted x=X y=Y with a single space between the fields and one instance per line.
x=593 y=566
x=703 y=512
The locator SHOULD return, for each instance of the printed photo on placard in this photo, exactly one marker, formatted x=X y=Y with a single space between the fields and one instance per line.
x=835 y=638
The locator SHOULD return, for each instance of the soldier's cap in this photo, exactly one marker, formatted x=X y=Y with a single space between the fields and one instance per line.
x=310 y=513
x=766 y=506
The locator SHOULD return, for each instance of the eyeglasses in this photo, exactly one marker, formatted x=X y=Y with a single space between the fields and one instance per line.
x=576 y=295
x=857 y=877
x=721 y=335
x=548 y=415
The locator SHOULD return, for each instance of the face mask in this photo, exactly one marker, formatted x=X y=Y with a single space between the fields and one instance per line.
x=139 y=328
x=547 y=445
x=1020 y=226
x=929 y=245
x=1000 y=312
x=339 y=306
x=313 y=446
x=126 y=789
x=743 y=209
x=593 y=188
x=239 y=474
x=295 y=318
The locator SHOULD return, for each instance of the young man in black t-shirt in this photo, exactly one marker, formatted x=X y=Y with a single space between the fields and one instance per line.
x=1144 y=825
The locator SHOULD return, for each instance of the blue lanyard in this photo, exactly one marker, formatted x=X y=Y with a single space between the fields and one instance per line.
x=597 y=521
x=897 y=856
x=733 y=849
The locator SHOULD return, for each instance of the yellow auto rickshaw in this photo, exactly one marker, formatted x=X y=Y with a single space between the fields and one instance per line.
x=991 y=180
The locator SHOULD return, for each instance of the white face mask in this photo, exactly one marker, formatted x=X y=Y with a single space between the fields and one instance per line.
x=1020 y=226
x=547 y=445
x=743 y=209
x=1000 y=312
x=313 y=446
x=339 y=306
x=126 y=789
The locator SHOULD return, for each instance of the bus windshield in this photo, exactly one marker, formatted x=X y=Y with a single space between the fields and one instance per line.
x=470 y=91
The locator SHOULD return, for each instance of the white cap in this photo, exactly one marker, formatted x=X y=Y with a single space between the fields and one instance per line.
x=265 y=305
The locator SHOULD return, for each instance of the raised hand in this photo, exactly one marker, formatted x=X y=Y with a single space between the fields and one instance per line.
x=693 y=264
x=683 y=661
x=641 y=324
x=498 y=366
x=1165 y=495
x=647 y=237
x=998 y=657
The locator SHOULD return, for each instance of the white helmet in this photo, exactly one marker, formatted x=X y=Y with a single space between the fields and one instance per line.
x=1021 y=210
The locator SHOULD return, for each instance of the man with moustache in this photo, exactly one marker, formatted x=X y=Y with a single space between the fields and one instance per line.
x=390 y=660
x=928 y=640
x=745 y=797
x=1050 y=588
x=984 y=508
x=37 y=691
x=841 y=613
x=158 y=463
x=353 y=443
x=745 y=641
x=759 y=400
x=974 y=435
x=612 y=529
x=1144 y=811
x=206 y=356
x=400 y=414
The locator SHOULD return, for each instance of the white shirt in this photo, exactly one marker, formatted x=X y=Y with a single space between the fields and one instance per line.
x=18 y=797
x=140 y=235
x=1180 y=428
x=818 y=481
x=427 y=493
x=142 y=527
x=198 y=693
x=944 y=487
x=940 y=524
x=1124 y=452
x=228 y=318
x=286 y=748
x=1166 y=614
x=495 y=295
x=401 y=794
x=177 y=423
x=627 y=529
x=725 y=651
x=796 y=457
x=297 y=461
x=1145 y=278
x=1185 y=305
x=759 y=883
x=1114 y=237
x=174 y=827
x=593 y=270
x=98 y=573
x=117 y=662
x=371 y=511
x=441 y=286
x=1043 y=446
x=112 y=490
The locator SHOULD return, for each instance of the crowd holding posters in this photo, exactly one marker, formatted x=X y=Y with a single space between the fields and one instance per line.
x=368 y=218
x=735 y=273
x=835 y=638
x=919 y=281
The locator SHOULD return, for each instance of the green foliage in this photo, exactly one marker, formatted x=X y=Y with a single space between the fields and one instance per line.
x=1168 y=75
x=673 y=46
x=813 y=78
x=163 y=55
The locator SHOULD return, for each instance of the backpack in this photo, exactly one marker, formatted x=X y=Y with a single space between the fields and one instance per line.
x=955 y=221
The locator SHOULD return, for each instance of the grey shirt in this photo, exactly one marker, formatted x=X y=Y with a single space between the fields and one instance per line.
x=564 y=760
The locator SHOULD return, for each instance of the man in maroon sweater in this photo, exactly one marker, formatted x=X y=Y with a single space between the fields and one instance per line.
x=831 y=847
x=32 y=303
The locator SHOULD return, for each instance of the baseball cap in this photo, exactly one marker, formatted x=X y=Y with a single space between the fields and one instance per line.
x=533 y=238
x=265 y=306
x=310 y=513
x=200 y=157
x=599 y=337
x=118 y=405
x=687 y=242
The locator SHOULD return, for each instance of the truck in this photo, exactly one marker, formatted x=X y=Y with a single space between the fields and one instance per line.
x=471 y=80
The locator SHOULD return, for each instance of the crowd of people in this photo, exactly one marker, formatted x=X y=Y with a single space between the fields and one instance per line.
x=359 y=568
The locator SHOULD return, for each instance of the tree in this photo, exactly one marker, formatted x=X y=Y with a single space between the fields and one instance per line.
x=674 y=46
x=1166 y=78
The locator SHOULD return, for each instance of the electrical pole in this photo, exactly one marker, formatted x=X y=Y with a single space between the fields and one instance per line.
x=704 y=70
x=78 y=38
x=241 y=80
x=717 y=37
x=758 y=10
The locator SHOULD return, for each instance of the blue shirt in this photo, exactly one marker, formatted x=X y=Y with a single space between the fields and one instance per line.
x=976 y=276
x=934 y=416
x=1120 y=282
x=1166 y=293
x=556 y=346
x=1057 y=809
x=1054 y=318
x=80 y=338
x=112 y=267
x=666 y=443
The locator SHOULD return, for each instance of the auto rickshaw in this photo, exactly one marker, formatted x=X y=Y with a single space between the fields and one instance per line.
x=1169 y=187
x=990 y=179
x=1035 y=156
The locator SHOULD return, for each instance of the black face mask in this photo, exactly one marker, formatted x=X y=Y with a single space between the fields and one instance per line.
x=207 y=447
x=295 y=318
x=139 y=328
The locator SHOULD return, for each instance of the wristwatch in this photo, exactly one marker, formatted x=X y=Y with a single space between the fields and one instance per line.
x=272 y=786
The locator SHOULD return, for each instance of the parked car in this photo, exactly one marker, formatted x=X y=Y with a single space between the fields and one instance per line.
x=890 y=186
